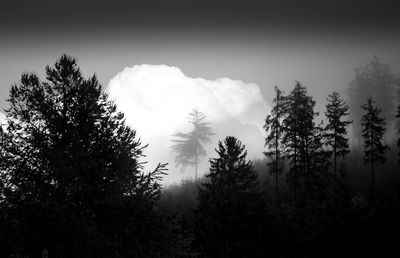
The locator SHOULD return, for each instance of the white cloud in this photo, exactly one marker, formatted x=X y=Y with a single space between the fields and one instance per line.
x=156 y=100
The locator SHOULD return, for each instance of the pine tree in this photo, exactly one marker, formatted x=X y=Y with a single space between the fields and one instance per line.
x=230 y=206
x=74 y=183
x=398 y=130
x=189 y=147
x=274 y=129
x=373 y=130
x=336 y=129
x=302 y=146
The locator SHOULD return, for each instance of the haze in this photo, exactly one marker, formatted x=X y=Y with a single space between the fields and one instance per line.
x=260 y=44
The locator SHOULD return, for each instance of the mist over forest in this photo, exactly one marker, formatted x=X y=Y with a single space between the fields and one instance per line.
x=199 y=129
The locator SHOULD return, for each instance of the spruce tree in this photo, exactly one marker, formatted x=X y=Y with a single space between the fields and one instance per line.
x=398 y=130
x=373 y=130
x=230 y=207
x=303 y=146
x=274 y=129
x=74 y=185
x=336 y=129
x=189 y=147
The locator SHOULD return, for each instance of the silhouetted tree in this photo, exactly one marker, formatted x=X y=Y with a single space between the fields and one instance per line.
x=230 y=206
x=373 y=129
x=302 y=138
x=336 y=129
x=374 y=80
x=74 y=185
x=398 y=130
x=190 y=146
x=274 y=129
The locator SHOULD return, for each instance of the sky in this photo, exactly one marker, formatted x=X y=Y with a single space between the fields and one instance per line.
x=256 y=43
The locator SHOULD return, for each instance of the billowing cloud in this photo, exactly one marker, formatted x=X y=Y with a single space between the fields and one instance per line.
x=157 y=99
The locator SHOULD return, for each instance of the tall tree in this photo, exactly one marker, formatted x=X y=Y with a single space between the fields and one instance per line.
x=74 y=183
x=398 y=130
x=189 y=147
x=301 y=138
x=373 y=130
x=274 y=129
x=374 y=80
x=230 y=205
x=336 y=129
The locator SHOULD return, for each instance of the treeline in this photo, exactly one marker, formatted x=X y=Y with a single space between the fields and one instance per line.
x=73 y=185
x=313 y=211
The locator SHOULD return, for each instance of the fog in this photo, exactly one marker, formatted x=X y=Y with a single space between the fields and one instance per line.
x=157 y=100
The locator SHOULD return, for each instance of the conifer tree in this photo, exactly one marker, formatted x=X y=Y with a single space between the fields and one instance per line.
x=398 y=130
x=274 y=129
x=336 y=129
x=189 y=147
x=373 y=130
x=230 y=206
x=74 y=182
x=302 y=146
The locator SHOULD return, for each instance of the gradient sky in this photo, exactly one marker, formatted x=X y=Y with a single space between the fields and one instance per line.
x=265 y=42
x=319 y=43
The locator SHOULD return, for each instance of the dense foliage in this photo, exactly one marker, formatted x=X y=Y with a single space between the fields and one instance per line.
x=72 y=181
x=230 y=209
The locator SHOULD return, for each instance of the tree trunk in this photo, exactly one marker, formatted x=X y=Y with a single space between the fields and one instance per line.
x=276 y=169
x=334 y=156
x=195 y=167
x=372 y=180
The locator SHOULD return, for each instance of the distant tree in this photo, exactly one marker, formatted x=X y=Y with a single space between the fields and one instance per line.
x=274 y=129
x=230 y=207
x=374 y=80
x=373 y=130
x=336 y=129
x=189 y=147
x=73 y=182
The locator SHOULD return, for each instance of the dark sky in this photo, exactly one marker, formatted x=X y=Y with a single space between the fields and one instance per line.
x=266 y=42
x=80 y=14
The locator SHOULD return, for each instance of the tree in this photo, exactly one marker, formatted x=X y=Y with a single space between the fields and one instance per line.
x=230 y=206
x=274 y=129
x=336 y=129
x=374 y=80
x=373 y=130
x=189 y=147
x=73 y=182
x=398 y=130
x=302 y=139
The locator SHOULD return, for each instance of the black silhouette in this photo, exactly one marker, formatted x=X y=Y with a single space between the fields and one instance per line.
x=230 y=207
x=398 y=130
x=373 y=130
x=336 y=129
x=72 y=180
x=274 y=129
x=303 y=141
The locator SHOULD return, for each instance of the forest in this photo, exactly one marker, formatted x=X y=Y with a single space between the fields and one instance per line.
x=73 y=182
